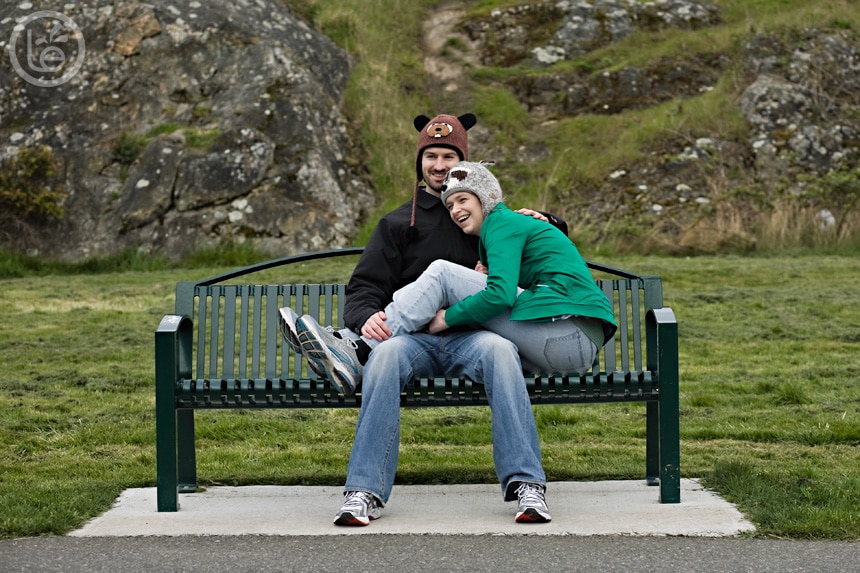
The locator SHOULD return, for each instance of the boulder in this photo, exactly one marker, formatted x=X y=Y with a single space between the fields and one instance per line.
x=187 y=123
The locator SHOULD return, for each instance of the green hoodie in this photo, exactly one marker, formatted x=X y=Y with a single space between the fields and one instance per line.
x=524 y=252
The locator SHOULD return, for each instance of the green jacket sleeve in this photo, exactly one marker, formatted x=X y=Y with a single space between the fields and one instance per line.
x=501 y=247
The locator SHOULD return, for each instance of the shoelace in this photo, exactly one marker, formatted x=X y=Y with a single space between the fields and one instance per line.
x=352 y=343
x=357 y=500
x=530 y=494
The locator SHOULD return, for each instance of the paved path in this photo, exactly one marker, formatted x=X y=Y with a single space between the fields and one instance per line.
x=420 y=553
x=596 y=527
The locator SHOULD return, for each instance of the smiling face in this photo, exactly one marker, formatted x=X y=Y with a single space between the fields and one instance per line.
x=466 y=210
x=435 y=164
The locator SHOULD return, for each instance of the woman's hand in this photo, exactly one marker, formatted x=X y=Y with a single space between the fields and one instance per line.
x=438 y=323
x=481 y=268
x=376 y=328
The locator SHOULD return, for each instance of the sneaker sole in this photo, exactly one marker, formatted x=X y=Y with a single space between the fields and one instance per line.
x=320 y=370
x=532 y=516
x=322 y=358
x=288 y=329
x=350 y=520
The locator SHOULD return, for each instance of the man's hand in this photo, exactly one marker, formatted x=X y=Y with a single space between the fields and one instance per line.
x=533 y=213
x=376 y=328
x=438 y=323
x=481 y=268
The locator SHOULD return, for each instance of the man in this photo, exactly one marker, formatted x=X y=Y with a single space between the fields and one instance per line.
x=401 y=247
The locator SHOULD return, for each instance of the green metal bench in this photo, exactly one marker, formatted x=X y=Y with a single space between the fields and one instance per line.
x=222 y=349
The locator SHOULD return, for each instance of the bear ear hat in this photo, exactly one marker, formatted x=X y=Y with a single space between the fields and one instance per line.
x=420 y=122
x=452 y=138
x=467 y=120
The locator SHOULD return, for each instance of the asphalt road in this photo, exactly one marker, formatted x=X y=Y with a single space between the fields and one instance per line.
x=417 y=553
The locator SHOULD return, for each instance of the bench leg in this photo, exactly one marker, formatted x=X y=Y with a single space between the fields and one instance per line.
x=165 y=457
x=670 y=435
x=176 y=460
x=663 y=417
x=670 y=456
x=165 y=461
x=187 y=458
x=652 y=443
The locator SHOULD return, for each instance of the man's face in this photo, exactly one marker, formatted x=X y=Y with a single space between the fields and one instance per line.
x=435 y=164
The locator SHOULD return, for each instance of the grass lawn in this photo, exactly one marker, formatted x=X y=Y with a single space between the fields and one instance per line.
x=769 y=401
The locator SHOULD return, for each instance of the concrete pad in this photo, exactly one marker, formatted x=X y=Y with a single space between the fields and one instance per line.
x=577 y=508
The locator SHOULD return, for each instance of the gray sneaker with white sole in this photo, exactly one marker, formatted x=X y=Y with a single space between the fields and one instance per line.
x=330 y=355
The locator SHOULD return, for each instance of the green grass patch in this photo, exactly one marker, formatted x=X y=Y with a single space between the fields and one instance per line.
x=769 y=400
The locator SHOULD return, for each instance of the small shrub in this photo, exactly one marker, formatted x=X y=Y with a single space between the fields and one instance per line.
x=839 y=190
x=201 y=138
x=29 y=194
x=163 y=129
x=24 y=184
x=128 y=148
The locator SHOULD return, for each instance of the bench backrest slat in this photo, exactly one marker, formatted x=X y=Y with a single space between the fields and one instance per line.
x=214 y=331
x=272 y=298
x=609 y=350
x=256 y=332
x=637 y=302
x=230 y=294
x=244 y=320
x=624 y=322
x=201 y=333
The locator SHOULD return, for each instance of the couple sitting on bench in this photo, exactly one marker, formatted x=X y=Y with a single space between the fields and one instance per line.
x=532 y=294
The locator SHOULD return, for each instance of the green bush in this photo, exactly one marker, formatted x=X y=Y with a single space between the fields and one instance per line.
x=26 y=192
x=128 y=148
x=29 y=194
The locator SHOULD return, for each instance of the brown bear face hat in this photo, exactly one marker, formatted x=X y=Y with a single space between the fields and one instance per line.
x=442 y=131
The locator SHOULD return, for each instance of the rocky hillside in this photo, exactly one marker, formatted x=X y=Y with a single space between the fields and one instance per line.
x=187 y=123
x=796 y=95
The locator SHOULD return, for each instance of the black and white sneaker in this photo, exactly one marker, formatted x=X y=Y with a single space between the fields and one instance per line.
x=532 y=508
x=359 y=508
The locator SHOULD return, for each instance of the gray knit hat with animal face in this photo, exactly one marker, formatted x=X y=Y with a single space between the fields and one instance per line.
x=476 y=179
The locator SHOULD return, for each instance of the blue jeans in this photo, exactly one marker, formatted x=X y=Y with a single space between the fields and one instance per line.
x=480 y=355
x=551 y=346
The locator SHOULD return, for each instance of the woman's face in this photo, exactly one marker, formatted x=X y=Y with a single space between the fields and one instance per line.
x=466 y=210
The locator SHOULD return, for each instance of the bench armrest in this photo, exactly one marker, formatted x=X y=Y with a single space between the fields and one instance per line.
x=173 y=348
